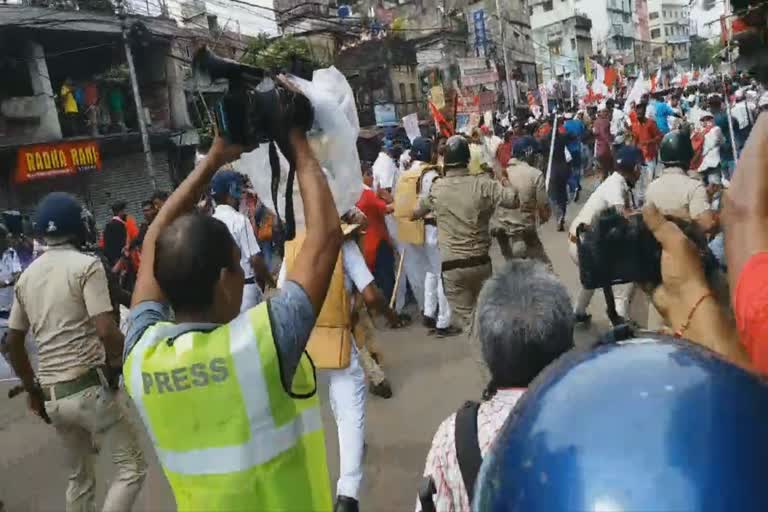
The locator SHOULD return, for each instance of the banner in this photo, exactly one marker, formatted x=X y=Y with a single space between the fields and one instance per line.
x=411 y=125
x=438 y=96
x=475 y=71
x=49 y=160
x=385 y=114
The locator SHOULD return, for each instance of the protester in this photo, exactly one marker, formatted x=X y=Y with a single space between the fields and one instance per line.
x=713 y=140
x=576 y=131
x=377 y=247
x=603 y=142
x=721 y=120
x=524 y=323
x=647 y=137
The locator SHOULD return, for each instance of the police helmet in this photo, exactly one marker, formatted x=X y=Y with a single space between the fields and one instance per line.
x=676 y=149
x=655 y=423
x=421 y=149
x=60 y=215
x=456 y=152
x=227 y=182
x=629 y=157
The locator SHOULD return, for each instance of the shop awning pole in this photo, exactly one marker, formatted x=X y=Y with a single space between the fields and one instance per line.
x=137 y=100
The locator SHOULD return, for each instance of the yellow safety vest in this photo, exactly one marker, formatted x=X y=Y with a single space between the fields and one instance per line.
x=406 y=200
x=227 y=433
x=330 y=344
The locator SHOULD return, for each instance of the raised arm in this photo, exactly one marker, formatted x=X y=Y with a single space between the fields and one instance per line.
x=181 y=201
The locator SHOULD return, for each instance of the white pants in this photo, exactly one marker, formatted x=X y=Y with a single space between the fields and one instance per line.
x=435 y=302
x=622 y=293
x=347 y=392
x=415 y=267
x=251 y=297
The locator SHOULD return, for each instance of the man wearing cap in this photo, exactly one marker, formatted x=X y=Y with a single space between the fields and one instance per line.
x=614 y=192
x=462 y=205
x=744 y=118
x=226 y=188
x=516 y=230
x=713 y=139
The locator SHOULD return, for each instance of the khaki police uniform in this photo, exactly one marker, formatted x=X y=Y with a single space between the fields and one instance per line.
x=55 y=299
x=463 y=205
x=515 y=230
x=675 y=193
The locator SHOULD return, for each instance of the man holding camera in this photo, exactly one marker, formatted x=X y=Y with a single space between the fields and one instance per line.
x=614 y=192
x=463 y=205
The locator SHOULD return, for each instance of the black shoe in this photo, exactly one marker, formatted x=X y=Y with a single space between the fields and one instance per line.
x=429 y=322
x=447 y=332
x=576 y=195
x=582 y=319
x=346 y=504
x=382 y=389
x=561 y=225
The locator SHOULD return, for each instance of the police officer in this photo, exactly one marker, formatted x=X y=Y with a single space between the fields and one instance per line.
x=515 y=230
x=62 y=298
x=229 y=397
x=420 y=236
x=674 y=192
x=462 y=205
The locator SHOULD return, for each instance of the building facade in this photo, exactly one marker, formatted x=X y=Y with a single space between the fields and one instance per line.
x=562 y=40
x=68 y=120
x=669 y=22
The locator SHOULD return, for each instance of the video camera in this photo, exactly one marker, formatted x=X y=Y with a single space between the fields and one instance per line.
x=255 y=108
x=616 y=249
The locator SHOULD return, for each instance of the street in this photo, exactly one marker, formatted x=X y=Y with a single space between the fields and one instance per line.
x=430 y=377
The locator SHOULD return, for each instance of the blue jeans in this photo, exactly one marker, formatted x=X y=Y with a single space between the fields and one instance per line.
x=574 y=180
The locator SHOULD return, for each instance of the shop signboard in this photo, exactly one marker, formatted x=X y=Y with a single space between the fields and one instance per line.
x=385 y=114
x=50 y=160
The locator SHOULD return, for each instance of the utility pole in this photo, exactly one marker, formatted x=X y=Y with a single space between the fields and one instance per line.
x=512 y=93
x=136 y=96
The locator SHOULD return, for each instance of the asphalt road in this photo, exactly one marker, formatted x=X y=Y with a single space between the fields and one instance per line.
x=431 y=378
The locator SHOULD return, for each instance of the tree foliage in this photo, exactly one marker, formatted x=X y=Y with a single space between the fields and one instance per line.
x=702 y=52
x=277 y=53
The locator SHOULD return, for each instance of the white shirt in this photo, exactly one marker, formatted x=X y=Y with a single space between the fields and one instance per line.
x=739 y=113
x=384 y=170
x=617 y=122
x=243 y=234
x=711 y=149
x=9 y=265
x=614 y=191
x=356 y=273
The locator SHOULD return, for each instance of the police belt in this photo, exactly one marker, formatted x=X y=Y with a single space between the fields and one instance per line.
x=5 y=315
x=250 y=280
x=64 y=389
x=429 y=221
x=472 y=261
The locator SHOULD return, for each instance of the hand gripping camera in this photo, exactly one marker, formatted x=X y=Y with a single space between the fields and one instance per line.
x=256 y=109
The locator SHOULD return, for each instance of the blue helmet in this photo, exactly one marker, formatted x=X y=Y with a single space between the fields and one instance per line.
x=60 y=215
x=227 y=182
x=654 y=424
x=421 y=149
x=629 y=157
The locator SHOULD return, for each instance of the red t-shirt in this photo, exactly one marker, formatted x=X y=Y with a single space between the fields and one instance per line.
x=375 y=209
x=647 y=135
x=750 y=304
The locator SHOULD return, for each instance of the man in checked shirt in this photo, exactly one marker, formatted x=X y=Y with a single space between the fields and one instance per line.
x=524 y=322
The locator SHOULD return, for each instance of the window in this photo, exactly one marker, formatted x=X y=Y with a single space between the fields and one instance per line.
x=413 y=92
x=402 y=93
x=547 y=6
x=573 y=44
x=655 y=33
x=555 y=49
x=666 y=31
x=653 y=16
x=625 y=17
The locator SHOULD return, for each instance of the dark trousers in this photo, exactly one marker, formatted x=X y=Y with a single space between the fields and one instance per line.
x=558 y=193
x=384 y=270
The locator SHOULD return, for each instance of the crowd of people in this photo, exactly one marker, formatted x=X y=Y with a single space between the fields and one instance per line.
x=228 y=323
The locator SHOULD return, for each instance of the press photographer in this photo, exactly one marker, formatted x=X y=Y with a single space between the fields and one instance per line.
x=253 y=363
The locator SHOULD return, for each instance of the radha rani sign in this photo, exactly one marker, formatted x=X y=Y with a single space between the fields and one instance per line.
x=49 y=160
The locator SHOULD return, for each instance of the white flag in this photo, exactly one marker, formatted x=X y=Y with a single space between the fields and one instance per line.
x=636 y=93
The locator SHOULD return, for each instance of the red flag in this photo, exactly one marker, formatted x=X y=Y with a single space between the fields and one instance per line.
x=610 y=76
x=443 y=125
